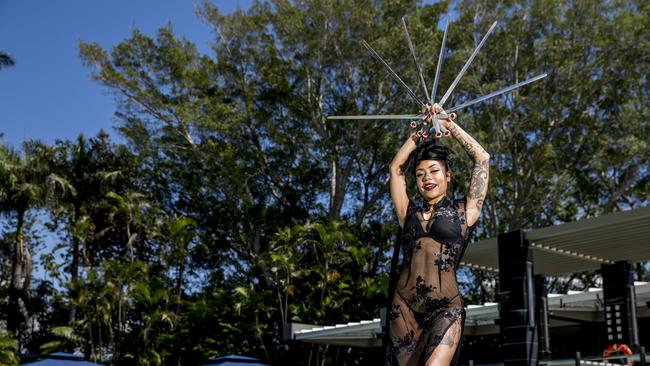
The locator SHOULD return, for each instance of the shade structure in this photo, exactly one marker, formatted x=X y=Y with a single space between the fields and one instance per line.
x=62 y=359
x=234 y=360
x=577 y=246
x=360 y=334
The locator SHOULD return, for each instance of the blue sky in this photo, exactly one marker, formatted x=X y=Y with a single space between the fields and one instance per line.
x=49 y=95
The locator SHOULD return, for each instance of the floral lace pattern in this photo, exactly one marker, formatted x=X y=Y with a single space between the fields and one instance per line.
x=426 y=300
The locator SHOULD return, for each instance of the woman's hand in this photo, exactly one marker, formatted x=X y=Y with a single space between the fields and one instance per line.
x=436 y=109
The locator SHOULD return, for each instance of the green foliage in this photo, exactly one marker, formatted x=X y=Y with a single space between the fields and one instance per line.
x=65 y=338
x=8 y=349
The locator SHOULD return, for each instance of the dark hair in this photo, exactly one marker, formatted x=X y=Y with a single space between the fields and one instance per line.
x=429 y=150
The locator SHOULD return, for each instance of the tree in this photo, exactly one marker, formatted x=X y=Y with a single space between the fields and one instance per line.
x=81 y=173
x=179 y=233
x=556 y=155
x=22 y=189
x=325 y=274
x=6 y=60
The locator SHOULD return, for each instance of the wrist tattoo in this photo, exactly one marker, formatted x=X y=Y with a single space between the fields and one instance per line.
x=452 y=127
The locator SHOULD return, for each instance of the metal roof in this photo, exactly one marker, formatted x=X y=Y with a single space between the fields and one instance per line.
x=564 y=309
x=363 y=333
x=576 y=246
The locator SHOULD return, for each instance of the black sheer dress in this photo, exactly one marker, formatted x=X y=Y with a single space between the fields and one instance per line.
x=426 y=301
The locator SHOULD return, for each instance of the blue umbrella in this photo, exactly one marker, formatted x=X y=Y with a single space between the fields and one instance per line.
x=233 y=360
x=62 y=359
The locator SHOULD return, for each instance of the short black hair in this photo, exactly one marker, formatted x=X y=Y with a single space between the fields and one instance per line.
x=429 y=150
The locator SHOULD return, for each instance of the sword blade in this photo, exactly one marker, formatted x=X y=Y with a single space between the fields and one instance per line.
x=434 y=90
x=390 y=70
x=415 y=59
x=498 y=92
x=378 y=116
x=462 y=71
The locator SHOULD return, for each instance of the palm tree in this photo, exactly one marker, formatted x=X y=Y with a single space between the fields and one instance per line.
x=179 y=233
x=132 y=211
x=6 y=60
x=22 y=182
x=77 y=175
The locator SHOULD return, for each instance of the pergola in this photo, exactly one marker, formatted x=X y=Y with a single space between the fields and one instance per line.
x=576 y=246
x=610 y=243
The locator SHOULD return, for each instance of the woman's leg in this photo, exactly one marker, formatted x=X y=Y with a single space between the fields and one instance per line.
x=404 y=331
x=443 y=354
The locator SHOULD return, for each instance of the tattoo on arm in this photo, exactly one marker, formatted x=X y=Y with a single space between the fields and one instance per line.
x=478 y=185
x=480 y=173
x=415 y=139
x=479 y=204
x=469 y=144
x=447 y=340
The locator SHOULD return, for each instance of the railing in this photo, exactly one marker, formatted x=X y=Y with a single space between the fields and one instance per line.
x=638 y=359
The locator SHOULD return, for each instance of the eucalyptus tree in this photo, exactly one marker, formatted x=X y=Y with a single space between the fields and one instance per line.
x=561 y=151
x=558 y=154
x=289 y=65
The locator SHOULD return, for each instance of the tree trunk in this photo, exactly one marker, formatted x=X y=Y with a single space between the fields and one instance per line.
x=339 y=181
x=179 y=284
x=21 y=268
x=74 y=266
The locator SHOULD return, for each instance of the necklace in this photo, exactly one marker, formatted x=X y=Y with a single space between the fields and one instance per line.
x=426 y=206
x=429 y=209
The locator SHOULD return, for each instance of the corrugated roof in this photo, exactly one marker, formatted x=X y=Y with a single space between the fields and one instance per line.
x=577 y=246
x=363 y=333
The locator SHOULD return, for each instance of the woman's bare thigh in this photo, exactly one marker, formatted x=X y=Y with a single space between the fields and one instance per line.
x=444 y=352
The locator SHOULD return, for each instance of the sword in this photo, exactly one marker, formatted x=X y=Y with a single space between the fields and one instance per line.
x=452 y=109
x=415 y=59
x=442 y=52
x=390 y=70
x=462 y=71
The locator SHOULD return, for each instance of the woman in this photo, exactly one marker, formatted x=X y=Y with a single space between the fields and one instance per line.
x=427 y=315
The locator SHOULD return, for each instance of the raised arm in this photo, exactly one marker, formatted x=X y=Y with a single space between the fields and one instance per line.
x=398 y=178
x=480 y=174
